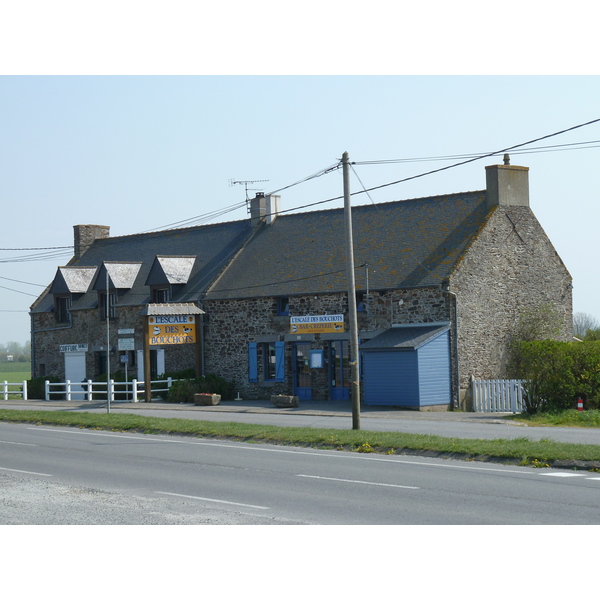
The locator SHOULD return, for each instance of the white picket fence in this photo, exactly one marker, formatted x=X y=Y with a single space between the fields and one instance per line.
x=120 y=391
x=498 y=395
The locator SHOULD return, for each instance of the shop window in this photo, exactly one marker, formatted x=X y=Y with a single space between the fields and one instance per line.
x=273 y=361
x=269 y=361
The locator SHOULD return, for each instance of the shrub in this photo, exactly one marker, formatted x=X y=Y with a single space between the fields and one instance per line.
x=556 y=374
x=36 y=387
x=184 y=390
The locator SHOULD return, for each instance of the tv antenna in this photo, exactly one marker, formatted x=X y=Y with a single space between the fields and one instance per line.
x=246 y=184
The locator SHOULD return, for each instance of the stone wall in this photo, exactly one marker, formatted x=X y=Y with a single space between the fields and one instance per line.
x=232 y=324
x=510 y=269
x=88 y=328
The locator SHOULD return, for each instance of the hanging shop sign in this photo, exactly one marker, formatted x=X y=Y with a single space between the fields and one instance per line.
x=165 y=330
x=317 y=324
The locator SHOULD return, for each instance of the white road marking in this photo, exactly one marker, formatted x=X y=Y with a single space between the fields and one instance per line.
x=303 y=452
x=17 y=443
x=214 y=500
x=564 y=474
x=406 y=487
x=26 y=472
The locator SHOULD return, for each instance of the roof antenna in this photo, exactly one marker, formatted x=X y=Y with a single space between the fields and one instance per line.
x=245 y=184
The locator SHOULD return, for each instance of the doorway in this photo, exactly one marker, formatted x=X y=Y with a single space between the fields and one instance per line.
x=302 y=375
x=339 y=370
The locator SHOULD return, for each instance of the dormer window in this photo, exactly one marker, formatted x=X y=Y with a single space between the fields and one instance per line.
x=161 y=295
x=69 y=284
x=62 y=306
x=114 y=278
x=111 y=307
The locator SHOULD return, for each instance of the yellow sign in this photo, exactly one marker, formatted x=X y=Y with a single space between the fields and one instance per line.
x=165 y=330
x=317 y=324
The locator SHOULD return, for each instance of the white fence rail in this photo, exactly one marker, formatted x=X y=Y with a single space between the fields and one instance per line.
x=498 y=395
x=120 y=391
x=18 y=389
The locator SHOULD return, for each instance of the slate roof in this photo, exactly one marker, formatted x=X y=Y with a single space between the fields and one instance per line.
x=212 y=246
x=409 y=243
x=121 y=275
x=174 y=270
x=412 y=337
x=73 y=280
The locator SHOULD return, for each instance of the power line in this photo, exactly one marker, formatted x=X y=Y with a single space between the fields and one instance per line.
x=23 y=249
x=24 y=282
x=539 y=149
x=545 y=137
x=19 y=292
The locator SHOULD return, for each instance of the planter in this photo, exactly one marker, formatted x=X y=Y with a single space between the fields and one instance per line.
x=207 y=399
x=282 y=401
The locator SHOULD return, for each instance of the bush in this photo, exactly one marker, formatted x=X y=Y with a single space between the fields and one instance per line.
x=36 y=387
x=184 y=390
x=556 y=374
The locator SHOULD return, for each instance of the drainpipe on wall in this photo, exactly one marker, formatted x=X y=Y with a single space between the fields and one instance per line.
x=456 y=401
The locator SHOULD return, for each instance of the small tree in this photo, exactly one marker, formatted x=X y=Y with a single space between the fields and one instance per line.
x=582 y=323
x=539 y=323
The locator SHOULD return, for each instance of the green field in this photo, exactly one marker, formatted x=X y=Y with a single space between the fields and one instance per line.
x=15 y=372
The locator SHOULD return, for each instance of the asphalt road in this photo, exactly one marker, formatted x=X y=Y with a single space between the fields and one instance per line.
x=53 y=475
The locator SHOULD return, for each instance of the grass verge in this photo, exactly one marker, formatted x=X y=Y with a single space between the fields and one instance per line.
x=564 y=418
x=544 y=453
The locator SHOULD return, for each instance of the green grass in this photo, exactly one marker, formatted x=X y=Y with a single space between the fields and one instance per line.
x=521 y=451
x=15 y=372
x=566 y=418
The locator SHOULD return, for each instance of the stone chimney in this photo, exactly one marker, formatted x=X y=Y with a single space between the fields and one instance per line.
x=507 y=185
x=273 y=207
x=86 y=235
x=264 y=208
x=258 y=209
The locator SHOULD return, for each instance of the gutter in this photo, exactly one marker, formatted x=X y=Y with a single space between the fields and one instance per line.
x=456 y=401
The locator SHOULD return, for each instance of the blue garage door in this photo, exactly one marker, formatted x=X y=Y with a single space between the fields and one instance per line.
x=390 y=378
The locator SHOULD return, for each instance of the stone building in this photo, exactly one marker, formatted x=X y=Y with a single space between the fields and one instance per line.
x=440 y=284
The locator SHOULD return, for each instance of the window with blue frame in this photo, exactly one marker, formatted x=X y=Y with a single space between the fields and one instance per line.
x=269 y=361
x=360 y=302
x=273 y=361
x=283 y=306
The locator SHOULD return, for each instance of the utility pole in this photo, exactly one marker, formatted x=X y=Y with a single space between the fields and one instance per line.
x=108 y=390
x=354 y=360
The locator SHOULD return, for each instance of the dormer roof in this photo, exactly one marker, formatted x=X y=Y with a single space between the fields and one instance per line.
x=72 y=280
x=172 y=270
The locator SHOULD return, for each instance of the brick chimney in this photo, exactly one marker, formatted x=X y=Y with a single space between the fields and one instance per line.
x=86 y=235
x=507 y=185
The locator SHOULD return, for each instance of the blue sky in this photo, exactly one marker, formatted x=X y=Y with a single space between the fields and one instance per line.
x=141 y=152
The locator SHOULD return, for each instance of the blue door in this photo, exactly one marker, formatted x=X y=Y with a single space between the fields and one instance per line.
x=302 y=376
x=339 y=370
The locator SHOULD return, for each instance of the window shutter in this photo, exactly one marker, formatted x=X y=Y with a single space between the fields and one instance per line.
x=253 y=362
x=279 y=361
